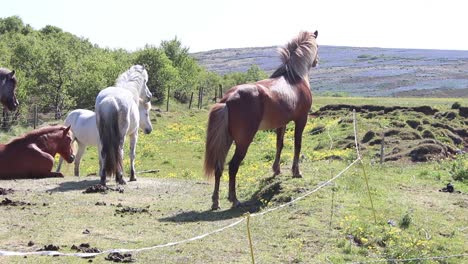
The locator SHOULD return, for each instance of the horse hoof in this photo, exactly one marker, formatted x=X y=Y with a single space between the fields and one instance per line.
x=236 y=204
x=132 y=179
x=122 y=182
x=297 y=175
x=215 y=207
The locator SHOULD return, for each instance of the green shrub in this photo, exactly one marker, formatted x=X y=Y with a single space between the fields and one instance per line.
x=459 y=169
x=456 y=105
x=406 y=220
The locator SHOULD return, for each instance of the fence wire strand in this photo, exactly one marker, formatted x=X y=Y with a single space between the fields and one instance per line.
x=233 y=224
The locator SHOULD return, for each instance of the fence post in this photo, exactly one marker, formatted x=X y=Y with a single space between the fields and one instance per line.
x=250 y=239
x=167 y=103
x=4 y=119
x=35 y=117
x=382 y=145
x=190 y=104
x=201 y=97
x=220 y=91
x=216 y=96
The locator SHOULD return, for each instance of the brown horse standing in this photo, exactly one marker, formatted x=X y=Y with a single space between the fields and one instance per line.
x=266 y=104
x=7 y=89
x=32 y=155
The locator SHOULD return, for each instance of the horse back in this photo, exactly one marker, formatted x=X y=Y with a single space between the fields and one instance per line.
x=272 y=102
x=83 y=126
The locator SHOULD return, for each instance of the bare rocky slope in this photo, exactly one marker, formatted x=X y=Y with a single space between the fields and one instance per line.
x=362 y=71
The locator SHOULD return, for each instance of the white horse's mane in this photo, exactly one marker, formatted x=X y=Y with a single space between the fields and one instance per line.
x=134 y=80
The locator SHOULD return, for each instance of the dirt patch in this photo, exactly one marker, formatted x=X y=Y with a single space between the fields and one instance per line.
x=463 y=111
x=98 y=188
x=85 y=248
x=426 y=110
x=4 y=191
x=428 y=152
x=405 y=131
x=49 y=247
x=8 y=202
x=122 y=210
x=118 y=257
x=413 y=123
x=368 y=136
x=317 y=130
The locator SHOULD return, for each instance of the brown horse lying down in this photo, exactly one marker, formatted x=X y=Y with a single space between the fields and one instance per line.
x=32 y=155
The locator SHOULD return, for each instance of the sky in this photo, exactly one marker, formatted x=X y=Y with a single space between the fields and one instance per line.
x=204 y=25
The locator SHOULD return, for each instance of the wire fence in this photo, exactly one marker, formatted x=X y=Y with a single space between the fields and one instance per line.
x=239 y=220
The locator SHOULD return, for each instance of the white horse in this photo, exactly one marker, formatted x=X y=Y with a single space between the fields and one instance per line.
x=85 y=132
x=117 y=116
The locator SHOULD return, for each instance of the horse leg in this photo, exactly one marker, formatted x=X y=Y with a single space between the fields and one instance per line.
x=42 y=163
x=59 y=166
x=299 y=128
x=279 y=147
x=102 y=171
x=119 y=173
x=215 y=197
x=239 y=155
x=133 y=141
x=79 y=155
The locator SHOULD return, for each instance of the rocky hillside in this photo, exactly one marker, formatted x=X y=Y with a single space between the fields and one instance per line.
x=362 y=71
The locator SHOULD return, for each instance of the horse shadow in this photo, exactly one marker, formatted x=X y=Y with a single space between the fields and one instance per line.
x=268 y=188
x=74 y=185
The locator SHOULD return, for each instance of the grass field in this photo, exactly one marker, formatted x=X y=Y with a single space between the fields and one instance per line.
x=334 y=225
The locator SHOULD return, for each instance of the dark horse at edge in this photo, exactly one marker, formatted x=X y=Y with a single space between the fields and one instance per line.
x=8 y=84
x=266 y=104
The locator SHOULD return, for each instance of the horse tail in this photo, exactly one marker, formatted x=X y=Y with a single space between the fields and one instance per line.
x=108 y=127
x=218 y=140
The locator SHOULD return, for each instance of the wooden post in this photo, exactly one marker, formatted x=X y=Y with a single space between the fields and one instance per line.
x=167 y=103
x=190 y=104
x=35 y=117
x=220 y=91
x=201 y=97
x=382 y=145
x=216 y=96
x=4 y=119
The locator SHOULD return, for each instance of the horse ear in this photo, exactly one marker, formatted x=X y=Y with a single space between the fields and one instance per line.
x=65 y=132
x=11 y=74
x=316 y=33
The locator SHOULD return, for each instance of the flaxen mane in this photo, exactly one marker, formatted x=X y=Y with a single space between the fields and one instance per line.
x=136 y=74
x=297 y=57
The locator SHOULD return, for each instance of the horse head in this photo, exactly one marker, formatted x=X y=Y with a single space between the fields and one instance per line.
x=135 y=80
x=8 y=84
x=316 y=60
x=145 y=93
x=64 y=145
x=145 y=121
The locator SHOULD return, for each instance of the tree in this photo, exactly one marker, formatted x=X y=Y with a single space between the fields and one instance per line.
x=174 y=51
x=11 y=24
x=161 y=73
x=254 y=73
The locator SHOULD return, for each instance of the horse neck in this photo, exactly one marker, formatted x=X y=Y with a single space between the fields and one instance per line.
x=46 y=142
x=131 y=87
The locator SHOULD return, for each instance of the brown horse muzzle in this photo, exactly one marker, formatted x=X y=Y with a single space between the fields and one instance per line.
x=71 y=158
